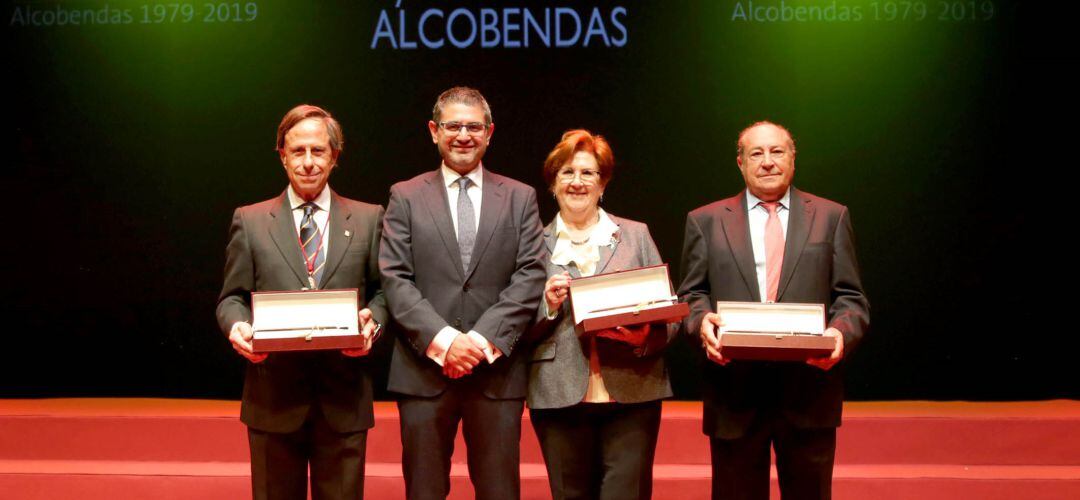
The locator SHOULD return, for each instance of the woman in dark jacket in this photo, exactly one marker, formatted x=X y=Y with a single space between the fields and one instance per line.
x=594 y=399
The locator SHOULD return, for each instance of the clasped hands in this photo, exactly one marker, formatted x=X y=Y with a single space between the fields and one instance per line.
x=712 y=330
x=241 y=334
x=463 y=355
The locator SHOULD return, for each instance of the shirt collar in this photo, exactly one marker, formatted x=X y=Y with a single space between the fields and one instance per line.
x=753 y=201
x=586 y=256
x=450 y=176
x=601 y=232
x=322 y=201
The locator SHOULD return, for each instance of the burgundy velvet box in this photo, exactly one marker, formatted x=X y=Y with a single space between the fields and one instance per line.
x=625 y=298
x=306 y=320
x=773 y=331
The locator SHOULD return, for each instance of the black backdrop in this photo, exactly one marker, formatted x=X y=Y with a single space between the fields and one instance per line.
x=130 y=141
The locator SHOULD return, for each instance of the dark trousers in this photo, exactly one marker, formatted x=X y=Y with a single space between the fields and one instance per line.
x=492 y=432
x=279 y=462
x=599 y=450
x=804 y=462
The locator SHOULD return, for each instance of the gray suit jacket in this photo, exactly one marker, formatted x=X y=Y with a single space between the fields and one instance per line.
x=559 y=368
x=819 y=267
x=427 y=289
x=264 y=255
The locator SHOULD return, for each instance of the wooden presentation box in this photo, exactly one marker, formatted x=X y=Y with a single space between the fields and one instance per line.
x=625 y=298
x=305 y=320
x=774 y=331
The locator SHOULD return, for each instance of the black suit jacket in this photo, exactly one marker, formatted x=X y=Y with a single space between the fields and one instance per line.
x=263 y=255
x=819 y=267
x=427 y=289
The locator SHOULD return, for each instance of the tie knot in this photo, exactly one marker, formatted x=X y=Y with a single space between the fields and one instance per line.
x=770 y=206
x=309 y=208
x=463 y=182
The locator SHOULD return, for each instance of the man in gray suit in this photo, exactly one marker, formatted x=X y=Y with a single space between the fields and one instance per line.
x=462 y=262
x=772 y=243
x=305 y=409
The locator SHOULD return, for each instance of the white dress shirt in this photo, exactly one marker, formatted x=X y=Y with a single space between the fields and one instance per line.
x=758 y=216
x=441 y=343
x=475 y=192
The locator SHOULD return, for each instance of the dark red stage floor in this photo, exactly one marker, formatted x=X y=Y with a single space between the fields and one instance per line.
x=94 y=449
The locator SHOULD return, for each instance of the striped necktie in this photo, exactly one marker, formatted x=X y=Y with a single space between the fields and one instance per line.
x=310 y=243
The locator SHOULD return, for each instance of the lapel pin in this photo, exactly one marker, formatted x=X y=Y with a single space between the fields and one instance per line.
x=348 y=233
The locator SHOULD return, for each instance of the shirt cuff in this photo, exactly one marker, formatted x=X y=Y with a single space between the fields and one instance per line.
x=550 y=315
x=438 y=347
x=490 y=352
x=237 y=324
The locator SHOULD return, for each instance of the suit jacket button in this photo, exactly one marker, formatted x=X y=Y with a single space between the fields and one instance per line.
x=465 y=287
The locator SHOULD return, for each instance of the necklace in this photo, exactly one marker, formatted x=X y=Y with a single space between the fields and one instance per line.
x=589 y=229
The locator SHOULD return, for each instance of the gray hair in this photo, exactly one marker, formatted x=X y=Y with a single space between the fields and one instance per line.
x=739 y=144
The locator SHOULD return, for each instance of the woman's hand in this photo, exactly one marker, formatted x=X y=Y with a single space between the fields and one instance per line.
x=556 y=290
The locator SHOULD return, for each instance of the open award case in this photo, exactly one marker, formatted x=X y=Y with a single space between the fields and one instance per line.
x=305 y=320
x=773 y=331
x=625 y=298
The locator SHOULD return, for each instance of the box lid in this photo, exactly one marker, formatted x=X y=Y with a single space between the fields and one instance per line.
x=309 y=312
x=621 y=291
x=772 y=317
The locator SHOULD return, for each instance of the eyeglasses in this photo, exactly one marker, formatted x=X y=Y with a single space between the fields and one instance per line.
x=567 y=175
x=473 y=128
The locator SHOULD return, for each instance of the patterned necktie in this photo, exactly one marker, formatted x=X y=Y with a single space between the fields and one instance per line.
x=310 y=241
x=466 y=216
x=774 y=250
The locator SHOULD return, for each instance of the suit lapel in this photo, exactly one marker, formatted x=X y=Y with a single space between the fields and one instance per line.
x=607 y=251
x=799 y=221
x=549 y=237
x=737 y=229
x=438 y=205
x=339 y=240
x=492 y=206
x=283 y=234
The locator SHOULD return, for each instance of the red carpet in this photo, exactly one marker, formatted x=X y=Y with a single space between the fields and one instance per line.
x=153 y=448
